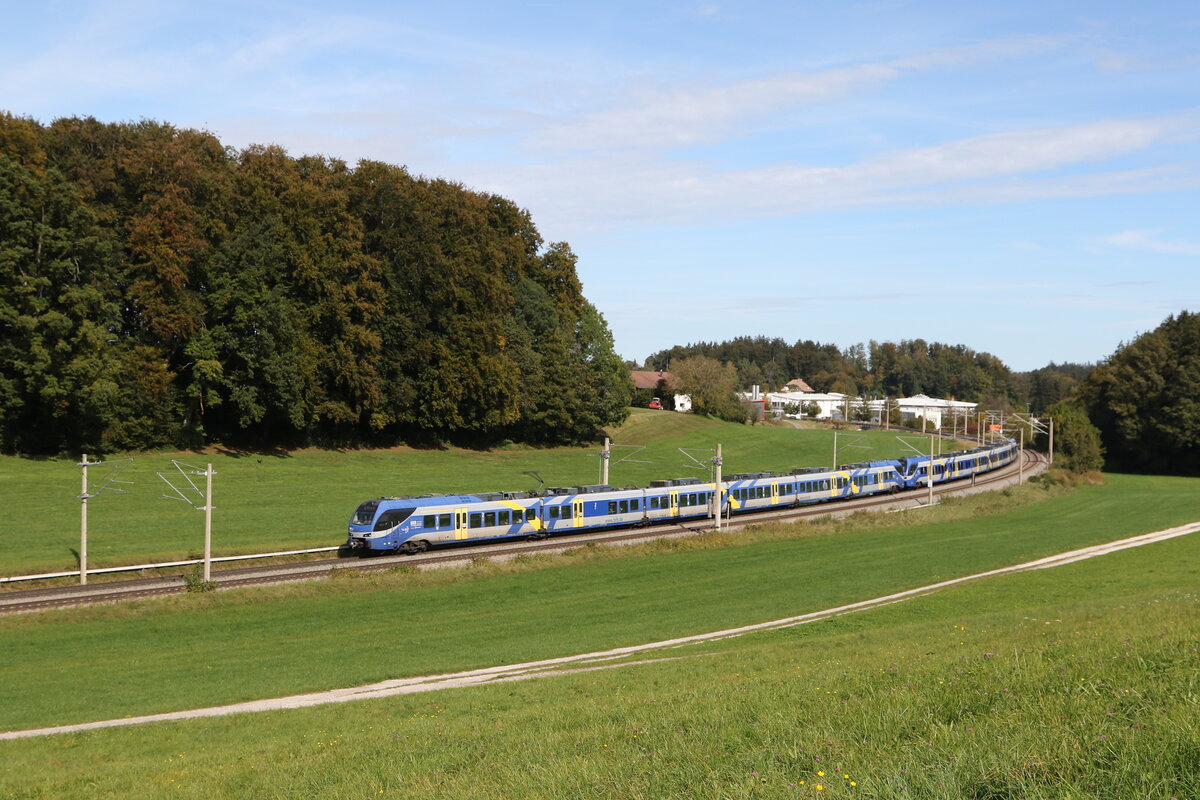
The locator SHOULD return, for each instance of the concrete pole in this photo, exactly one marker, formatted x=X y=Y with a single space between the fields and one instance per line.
x=835 y=450
x=887 y=410
x=604 y=456
x=83 y=498
x=1052 y=440
x=931 y=438
x=208 y=509
x=717 y=462
x=1021 y=459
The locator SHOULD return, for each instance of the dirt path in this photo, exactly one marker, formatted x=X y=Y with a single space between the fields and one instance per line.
x=605 y=659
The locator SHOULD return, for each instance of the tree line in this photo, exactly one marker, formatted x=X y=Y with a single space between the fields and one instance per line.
x=893 y=369
x=1138 y=410
x=159 y=288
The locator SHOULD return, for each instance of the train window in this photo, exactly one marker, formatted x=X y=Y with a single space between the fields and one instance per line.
x=443 y=521
x=695 y=500
x=430 y=521
x=634 y=505
x=825 y=486
x=612 y=506
x=624 y=506
x=390 y=519
x=366 y=512
x=553 y=512
x=489 y=519
x=503 y=517
x=476 y=520
x=530 y=515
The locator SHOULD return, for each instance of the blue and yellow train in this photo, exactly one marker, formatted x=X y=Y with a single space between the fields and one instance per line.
x=414 y=524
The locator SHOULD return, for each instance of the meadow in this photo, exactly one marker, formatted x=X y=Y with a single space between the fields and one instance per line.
x=198 y=650
x=303 y=498
x=1082 y=681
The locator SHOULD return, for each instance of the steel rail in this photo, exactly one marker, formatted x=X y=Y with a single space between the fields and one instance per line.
x=445 y=556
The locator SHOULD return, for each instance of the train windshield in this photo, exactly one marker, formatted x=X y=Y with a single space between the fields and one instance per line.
x=365 y=513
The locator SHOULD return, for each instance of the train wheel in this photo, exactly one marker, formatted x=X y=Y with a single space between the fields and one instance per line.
x=422 y=546
x=408 y=548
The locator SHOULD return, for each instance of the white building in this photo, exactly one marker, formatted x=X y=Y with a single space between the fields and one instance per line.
x=834 y=405
x=934 y=409
x=831 y=404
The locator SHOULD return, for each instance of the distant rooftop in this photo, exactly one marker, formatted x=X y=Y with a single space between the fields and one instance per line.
x=647 y=379
x=797 y=385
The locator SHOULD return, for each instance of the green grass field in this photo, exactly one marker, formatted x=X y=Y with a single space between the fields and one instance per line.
x=1081 y=681
x=202 y=650
x=304 y=498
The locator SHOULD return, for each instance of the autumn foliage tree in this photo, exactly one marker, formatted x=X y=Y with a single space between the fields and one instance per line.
x=159 y=288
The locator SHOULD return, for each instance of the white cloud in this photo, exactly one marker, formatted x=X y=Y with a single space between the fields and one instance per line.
x=1150 y=241
x=1007 y=167
x=690 y=115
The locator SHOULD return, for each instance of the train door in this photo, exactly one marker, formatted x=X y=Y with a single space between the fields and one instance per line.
x=577 y=513
x=674 y=504
x=460 y=523
x=774 y=493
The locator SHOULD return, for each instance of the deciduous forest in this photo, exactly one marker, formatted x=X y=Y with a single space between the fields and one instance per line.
x=158 y=288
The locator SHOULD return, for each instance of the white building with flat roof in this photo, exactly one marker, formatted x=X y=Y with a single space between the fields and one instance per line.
x=831 y=404
x=934 y=409
x=834 y=405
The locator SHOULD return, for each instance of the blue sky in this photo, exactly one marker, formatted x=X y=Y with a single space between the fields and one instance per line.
x=1020 y=177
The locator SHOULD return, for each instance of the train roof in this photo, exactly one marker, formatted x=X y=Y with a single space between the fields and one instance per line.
x=674 y=482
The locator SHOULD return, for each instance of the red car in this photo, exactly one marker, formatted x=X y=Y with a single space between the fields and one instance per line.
x=656 y=403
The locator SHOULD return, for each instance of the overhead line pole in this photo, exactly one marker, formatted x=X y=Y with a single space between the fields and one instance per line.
x=208 y=509
x=931 y=469
x=605 y=455
x=1021 y=459
x=718 y=462
x=83 y=498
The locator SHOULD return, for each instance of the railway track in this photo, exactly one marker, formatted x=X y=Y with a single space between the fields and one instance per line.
x=117 y=591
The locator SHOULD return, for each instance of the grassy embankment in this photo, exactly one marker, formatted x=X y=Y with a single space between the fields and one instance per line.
x=304 y=498
x=1081 y=681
